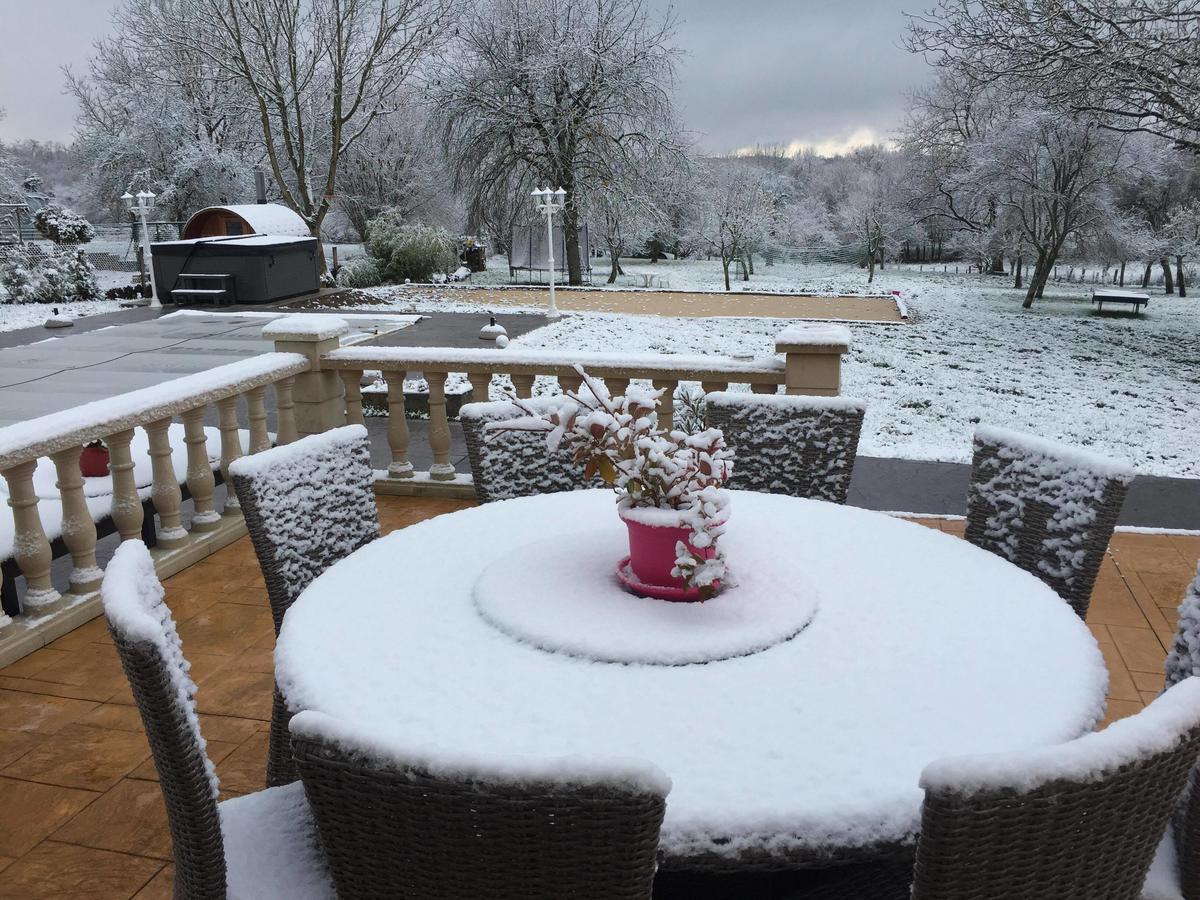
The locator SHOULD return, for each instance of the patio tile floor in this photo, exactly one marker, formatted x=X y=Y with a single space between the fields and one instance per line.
x=80 y=814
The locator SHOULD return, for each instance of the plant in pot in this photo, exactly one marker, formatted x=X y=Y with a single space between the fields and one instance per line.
x=669 y=484
x=93 y=461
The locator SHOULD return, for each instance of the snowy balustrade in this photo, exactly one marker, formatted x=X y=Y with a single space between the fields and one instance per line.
x=331 y=392
x=61 y=437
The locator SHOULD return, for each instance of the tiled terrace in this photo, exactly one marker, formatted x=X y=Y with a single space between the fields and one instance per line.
x=81 y=815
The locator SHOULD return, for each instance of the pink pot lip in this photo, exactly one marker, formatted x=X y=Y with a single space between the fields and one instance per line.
x=634 y=520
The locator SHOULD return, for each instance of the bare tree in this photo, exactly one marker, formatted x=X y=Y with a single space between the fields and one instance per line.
x=316 y=73
x=553 y=91
x=736 y=213
x=1128 y=64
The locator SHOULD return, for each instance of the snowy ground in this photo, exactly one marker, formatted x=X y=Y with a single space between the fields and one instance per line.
x=1125 y=386
x=27 y=315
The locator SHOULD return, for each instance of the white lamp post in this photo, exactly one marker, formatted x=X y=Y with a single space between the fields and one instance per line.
x=548 y=202
x=140 y=206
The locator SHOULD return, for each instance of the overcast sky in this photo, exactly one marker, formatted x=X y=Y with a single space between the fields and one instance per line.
x=800 y=72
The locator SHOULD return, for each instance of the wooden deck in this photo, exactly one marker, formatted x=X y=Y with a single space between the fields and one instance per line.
x=80 y=812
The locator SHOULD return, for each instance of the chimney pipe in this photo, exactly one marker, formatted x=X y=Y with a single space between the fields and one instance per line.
x=260 y=186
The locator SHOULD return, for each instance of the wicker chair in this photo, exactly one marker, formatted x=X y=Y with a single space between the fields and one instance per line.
x=1076 y=822
x=1045 y=507
x=508 y=464
x=802 y=446
x=307 y=505
x=1175 y=874
x=393 y=825
x=258 y=846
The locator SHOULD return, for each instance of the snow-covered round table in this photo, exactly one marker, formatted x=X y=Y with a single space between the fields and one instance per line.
x=921 y=646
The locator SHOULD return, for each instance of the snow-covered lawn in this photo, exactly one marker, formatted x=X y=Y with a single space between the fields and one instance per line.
x=28 y=315
x=1124 y=386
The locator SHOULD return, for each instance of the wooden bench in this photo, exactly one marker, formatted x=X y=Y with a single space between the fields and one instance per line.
x=1107 y=295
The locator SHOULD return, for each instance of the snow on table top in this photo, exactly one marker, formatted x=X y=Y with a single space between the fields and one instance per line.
x=1157 y=729
x=819 y=740
x=520 y=594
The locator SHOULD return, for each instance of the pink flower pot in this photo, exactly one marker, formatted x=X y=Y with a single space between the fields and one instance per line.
x=93 y=462
x=652 y=555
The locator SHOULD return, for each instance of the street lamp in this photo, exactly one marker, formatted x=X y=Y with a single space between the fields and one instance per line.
x=140 y=206
x=548 y=202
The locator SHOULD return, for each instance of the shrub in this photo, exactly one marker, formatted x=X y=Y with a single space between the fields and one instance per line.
x=63 y=226
x=360 y=272
x=413 y=252
x=55 y=278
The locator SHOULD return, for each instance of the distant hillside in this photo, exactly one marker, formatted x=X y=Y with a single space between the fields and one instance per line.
x=56 y=164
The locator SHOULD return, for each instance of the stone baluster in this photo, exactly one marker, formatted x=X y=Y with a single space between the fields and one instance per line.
x=523 y=385
x=711 y=387
x=666 y=404
x=616 y=386
x=256 y=415
x=78 y=528
x=200 y=480
x=127 y=512
x=231 y=449
x=167 y=497
x=285 y=410
x=352 y=379
x=398 y=436
x=439 y=428
x=30 y=546
x=481 y=385
x=759 y=388
x=570 y=383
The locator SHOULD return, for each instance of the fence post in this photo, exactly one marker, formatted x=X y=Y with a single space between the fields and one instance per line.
x=813 y=356
x=318 y=395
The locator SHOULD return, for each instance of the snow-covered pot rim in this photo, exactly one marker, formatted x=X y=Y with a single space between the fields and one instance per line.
x=628 y=773
x=656 y=517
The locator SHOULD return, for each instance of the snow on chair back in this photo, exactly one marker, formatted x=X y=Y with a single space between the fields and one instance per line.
x=151 y=654
x=802 y=446
x=1046 y=507
x=307 y=505
x=508 y=464
x=1077 y=821
x=401 y=820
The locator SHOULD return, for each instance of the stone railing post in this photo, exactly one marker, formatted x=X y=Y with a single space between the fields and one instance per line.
x=30 y=546
x=256 y=415
x=439 y=428
x=127 y=512
x=200 y=480
x=167 y=496
x=318 y=394
x=231 y=449
x=78 y=529
x=398 y=436
x=813 y=356
x=285 y=411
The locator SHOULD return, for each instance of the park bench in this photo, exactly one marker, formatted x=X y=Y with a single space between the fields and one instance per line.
x=1107 y=295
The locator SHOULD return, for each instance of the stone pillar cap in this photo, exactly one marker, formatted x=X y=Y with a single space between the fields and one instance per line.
x=305 y=327
x=804 y=337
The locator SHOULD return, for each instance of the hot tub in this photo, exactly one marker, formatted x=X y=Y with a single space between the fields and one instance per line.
x=256 y=268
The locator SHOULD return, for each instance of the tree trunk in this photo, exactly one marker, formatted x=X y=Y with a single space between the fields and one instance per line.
x=616 y=264
x=570 y=220
x=1179 y=275
x=1041 y=271
x=1168 y=281
x=1122 y=278
x=1017 y=263
x=1146 y=276
x=725 y=268
x=749 y=265
x=870 y=267
x=745 y=269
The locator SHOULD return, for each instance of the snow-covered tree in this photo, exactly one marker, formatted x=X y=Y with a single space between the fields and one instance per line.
x=553 y=92
x=1127 y=65
x=315 y=73
x=1182 y=233
x=737 y=213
